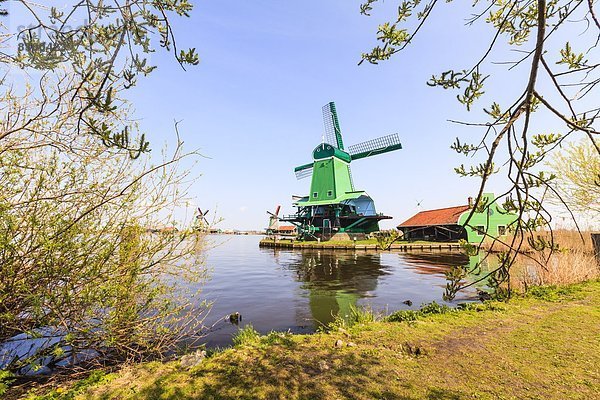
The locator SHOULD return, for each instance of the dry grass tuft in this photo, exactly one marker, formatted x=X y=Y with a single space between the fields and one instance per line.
x=572 y=239
x=565 y=238
x=573 y=262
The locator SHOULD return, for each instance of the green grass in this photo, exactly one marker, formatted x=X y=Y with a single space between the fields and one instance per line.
x=76 y=390
x=545 y=345
x=246 y=336
x=555 y=293
x=6 y=378
x=358 y=316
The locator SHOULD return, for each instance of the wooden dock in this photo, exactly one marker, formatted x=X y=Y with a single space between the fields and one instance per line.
x=286 y=244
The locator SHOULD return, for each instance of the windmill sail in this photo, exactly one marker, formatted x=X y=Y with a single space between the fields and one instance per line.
x=333 y=134
x=351 y=179
x=274 y=219
x=202 y=216
x=303 y=171
x=375 y=146
x=201 y=222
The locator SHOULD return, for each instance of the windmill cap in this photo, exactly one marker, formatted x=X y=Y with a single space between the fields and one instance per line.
x=326 y=150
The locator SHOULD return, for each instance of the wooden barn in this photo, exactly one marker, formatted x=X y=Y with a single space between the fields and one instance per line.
x=447 y=224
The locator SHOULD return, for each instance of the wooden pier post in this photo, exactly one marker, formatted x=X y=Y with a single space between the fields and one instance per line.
x=596 y=244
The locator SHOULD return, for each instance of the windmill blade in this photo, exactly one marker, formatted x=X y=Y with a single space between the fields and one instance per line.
x=201 y=221
x=303 y=171
x=333 y=133
x=274 y=219
x=373 y=147
x=202 y=216
x=276 y=213
x=273 y=222
x=351 y=179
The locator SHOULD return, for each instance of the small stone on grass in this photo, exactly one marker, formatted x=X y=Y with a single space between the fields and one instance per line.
x=323 y=366
x=191 y=360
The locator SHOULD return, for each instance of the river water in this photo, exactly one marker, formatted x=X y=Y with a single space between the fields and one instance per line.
x=289 y=290
x=300 y=290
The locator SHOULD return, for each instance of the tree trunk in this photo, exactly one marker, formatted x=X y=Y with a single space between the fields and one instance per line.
x=596 y=244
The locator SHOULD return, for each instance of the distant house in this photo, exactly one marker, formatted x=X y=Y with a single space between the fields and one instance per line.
x=287 y=229
x=447 y=224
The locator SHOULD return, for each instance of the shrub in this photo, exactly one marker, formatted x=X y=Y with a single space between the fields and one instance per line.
x=77 y=253
x=247 y=336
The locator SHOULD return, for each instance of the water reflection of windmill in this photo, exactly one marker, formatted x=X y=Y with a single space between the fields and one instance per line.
x=333 y=205
x=335 y=281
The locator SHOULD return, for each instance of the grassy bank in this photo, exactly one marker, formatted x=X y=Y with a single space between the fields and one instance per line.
x=545 y=345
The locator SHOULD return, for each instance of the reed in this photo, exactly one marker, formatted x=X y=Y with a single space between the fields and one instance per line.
x=564 y=238
x=572 y=262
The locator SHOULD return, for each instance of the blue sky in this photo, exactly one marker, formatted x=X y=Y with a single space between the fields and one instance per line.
x=253 y=104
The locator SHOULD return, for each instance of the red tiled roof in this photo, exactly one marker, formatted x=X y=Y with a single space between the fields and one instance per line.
x=287 y=228
x=442 y=216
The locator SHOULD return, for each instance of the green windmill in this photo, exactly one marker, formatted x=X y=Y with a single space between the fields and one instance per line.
x=333 y=205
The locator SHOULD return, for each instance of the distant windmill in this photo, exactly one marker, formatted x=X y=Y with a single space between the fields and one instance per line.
x=273 y=220
x=419 y=202
x=201 y=221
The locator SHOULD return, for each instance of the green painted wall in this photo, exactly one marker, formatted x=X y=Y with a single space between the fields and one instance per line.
x=330 y=180
x=490 y=221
